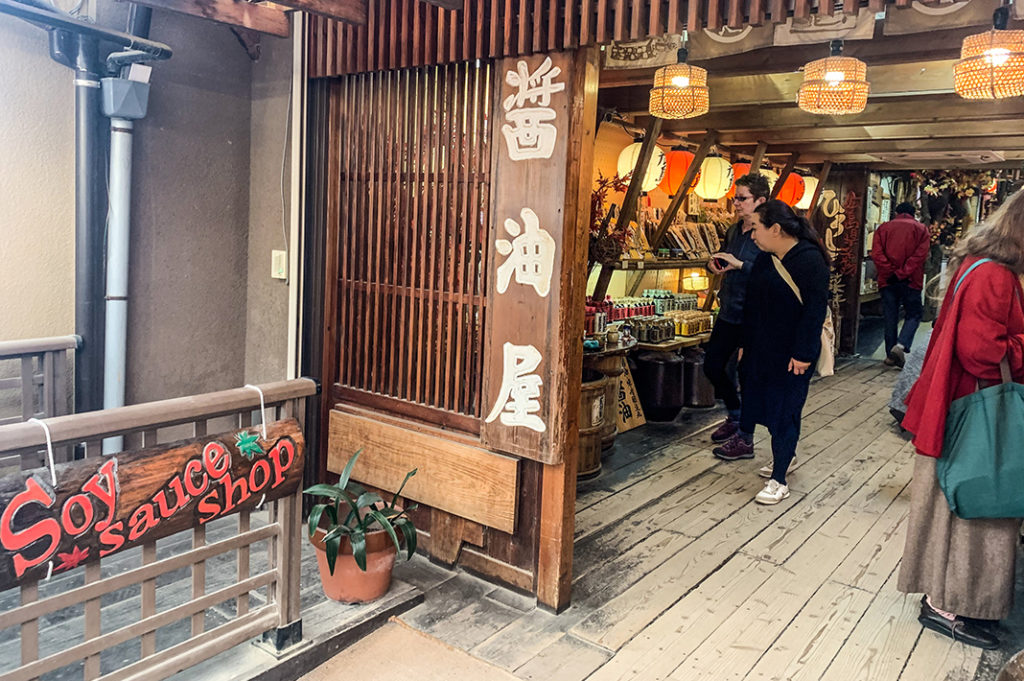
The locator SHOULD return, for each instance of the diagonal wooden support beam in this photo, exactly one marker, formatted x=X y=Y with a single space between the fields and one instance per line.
x=755 y=162
x=822 y=179
x=684 y=188
x=628 y=211
x=790 y=164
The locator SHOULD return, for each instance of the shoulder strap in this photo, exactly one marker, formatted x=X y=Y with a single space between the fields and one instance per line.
x=969 y=270
x=784 y=273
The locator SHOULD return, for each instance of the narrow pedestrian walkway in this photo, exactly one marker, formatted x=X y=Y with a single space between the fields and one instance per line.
x=679 y=575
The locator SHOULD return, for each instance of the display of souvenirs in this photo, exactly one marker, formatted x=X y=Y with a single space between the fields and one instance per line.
x=690 y=322
x=653 y=329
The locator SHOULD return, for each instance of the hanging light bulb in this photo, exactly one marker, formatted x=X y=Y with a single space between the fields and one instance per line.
x=834 y=85
x=680 y=90
x=655 y=169
x=991 y=64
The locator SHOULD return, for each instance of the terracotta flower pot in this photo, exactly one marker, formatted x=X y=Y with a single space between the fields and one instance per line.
x=349 y=584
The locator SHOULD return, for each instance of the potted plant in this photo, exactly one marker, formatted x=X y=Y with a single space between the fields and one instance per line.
x=355 y=534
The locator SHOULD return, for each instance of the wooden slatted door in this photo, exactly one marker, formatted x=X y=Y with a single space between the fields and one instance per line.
x=439 y=204
x=412 y=209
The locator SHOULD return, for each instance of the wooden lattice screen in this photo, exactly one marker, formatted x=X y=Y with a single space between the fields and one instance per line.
x=411 y=212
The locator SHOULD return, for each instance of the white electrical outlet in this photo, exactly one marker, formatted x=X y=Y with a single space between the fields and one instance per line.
x=279 y=264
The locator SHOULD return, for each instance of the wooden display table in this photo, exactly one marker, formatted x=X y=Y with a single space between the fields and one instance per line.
x=679 y=343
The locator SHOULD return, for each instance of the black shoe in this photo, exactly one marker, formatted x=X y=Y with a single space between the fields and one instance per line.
x=957 y=629
x=898 y=355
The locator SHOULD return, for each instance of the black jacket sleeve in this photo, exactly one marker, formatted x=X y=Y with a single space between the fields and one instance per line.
x=810 y=272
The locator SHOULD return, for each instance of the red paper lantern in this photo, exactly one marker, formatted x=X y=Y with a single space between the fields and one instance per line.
x=792 y=190
x=738 y=171
x=677 y=162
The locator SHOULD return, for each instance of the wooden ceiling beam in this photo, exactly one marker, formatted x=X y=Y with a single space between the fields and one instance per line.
x=446 y=4
x=937 y=146
x=255 y=17
x=949 y=109
x=347 y=11
x=912 y=131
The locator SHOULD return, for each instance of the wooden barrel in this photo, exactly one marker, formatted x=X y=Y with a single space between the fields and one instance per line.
x=592 y=401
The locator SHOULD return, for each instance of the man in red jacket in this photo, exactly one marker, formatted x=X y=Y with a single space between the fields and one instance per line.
x=899 y=251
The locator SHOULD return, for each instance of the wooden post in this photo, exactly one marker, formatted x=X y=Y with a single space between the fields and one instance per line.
x=822 y=179
x=790 y=164
x=684 y=188
x=755 y=162
x=558 y=482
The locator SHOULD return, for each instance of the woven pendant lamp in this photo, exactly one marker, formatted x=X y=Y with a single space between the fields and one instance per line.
x=834 y=85
x=680 y=90
x=991 y=64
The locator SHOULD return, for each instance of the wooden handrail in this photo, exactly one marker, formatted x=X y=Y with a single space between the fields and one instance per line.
x=33 y=346
x=94 y=425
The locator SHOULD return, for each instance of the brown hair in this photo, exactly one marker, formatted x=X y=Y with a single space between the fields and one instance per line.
x=756 y=183
x=1000 y=237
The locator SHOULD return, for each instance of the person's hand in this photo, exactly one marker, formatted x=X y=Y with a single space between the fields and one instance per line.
x=798 y=368
x=731 y=262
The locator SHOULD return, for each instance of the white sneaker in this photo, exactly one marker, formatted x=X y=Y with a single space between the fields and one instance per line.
x=766 y=471
x=772 y=493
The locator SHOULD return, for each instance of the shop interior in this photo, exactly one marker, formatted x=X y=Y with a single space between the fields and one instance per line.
x=914 y=135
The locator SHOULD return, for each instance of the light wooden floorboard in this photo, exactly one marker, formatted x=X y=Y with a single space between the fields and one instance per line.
x=679 y=575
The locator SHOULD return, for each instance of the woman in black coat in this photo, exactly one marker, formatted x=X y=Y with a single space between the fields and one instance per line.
x=781 y=334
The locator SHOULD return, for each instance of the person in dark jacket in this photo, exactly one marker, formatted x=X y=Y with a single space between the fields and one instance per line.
x=899 y=252
x=782 y=332
x=751 y=191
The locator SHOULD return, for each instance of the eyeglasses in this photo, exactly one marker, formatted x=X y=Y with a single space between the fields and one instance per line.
x=743 y=198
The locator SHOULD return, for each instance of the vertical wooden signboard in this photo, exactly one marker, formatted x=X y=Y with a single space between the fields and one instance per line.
x=523 y=346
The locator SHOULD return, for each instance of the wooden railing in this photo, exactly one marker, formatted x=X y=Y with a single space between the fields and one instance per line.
x=42 y=375
x=203 y=590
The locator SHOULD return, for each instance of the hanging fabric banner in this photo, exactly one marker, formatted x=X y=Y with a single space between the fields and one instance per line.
x=922 y=18
x=647 y=53
x=722 y=42
x=817 y=30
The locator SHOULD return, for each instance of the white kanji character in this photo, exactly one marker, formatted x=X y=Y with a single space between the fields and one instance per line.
x=536 y=87
x=531 y=254
x=517 y=404
x=526 y=133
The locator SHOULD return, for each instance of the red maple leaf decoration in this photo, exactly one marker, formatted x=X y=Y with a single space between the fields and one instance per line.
x=71 y=560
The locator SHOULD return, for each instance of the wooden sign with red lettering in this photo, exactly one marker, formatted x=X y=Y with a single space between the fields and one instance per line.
x=103 y=505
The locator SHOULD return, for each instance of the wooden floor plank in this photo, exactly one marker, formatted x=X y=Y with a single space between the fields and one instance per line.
x=940 y=657
x=809 y=644
x=521 y=641
x=629 y=475
x=567 y=659
x=657 y=650
x=882 y=641
x=620 y=504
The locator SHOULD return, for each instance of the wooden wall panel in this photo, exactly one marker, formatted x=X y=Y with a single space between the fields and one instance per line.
x=457 y=478
x=398 y=36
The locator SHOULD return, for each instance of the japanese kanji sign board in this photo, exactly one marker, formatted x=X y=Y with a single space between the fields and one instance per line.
x=103 y=505
x=526 y=258
x=629 y=412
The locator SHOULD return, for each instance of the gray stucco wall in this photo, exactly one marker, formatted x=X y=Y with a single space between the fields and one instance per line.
x=203 y=313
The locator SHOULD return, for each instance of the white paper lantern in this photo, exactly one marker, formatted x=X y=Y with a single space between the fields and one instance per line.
x=715 y=178
x=655 y=169
x=772 y=177
x=810 y=184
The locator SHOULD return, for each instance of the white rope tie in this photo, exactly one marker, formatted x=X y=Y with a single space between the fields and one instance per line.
x=53 y=475
x=49 y=449
x=263 y=408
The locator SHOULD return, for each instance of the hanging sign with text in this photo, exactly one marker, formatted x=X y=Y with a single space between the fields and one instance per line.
x=521 y=345
x=103 y=505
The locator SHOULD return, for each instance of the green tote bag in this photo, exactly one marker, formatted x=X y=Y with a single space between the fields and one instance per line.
x=981 y=470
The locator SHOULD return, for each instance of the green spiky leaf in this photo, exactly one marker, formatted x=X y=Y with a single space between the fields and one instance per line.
x=248 y=444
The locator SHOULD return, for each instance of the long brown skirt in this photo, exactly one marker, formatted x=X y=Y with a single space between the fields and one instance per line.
x=965 y=566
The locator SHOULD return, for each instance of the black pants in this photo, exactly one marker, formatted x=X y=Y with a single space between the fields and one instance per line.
x=895 y=296
x=785 y=435
x=725 y=340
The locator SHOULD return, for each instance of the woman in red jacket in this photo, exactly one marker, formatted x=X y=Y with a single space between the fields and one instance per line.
x=965 y=568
